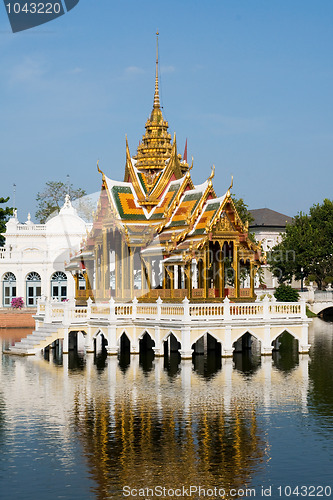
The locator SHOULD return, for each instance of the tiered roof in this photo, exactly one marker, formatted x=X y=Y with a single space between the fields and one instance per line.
x=158 y=199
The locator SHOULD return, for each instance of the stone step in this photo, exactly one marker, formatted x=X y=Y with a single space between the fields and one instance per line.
x=36 y=341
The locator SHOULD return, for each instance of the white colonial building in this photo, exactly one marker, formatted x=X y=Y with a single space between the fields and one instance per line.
x=268 y=227
x=32 y=262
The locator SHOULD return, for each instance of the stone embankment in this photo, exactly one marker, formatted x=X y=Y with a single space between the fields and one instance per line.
x=10 y=318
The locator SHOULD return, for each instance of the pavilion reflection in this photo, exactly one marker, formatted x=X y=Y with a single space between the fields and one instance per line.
x=139 y=443
x=159 y=421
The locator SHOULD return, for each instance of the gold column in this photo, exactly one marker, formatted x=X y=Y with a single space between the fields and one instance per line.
x=76 y=279
x=171 y=273
x=200 y=267
x=131 y=271
x=88 y=286
x=206 y=266
x=252 y=279
x=96 y=270
x=105 y=267
x=236 y=269
x=188 y=274
x=123 y=267
x=221 y=272
x=164 y=277
x=117 y=263
x=148 y=272
x=143 y=276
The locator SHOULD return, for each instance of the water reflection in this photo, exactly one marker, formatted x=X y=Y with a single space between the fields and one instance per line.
x=320 y=370
x=207 y=364
x=286 y=358
x=143 y=421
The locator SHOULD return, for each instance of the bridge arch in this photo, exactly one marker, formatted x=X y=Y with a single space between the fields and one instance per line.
x=326 y=313
x=171 y=332
x=146 y=342
x=244 y=340
x=76 y=340
x=148 y=331
x=207 y=341
x=124 y=342
x=281 y=332
x=171 y=343
x=100 y=341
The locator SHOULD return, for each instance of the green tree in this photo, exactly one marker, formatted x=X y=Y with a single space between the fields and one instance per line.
x=52 y=198
x=244 y=214
x=306 y=247
x=4 y=215
x=242 y=210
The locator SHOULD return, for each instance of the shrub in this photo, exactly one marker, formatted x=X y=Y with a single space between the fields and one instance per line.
x=285 y=293
x=265 y=295
x=17 y=303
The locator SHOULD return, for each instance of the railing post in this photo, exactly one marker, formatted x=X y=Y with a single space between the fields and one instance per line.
x=112 y=315
x=311 y=295
x=71 y=308
x=89 y=302
x=226 y=307
x=303 y=308
x=159 y=308
x=265 y=307
x=66 y=321
x=134 y=307
x=186 y=303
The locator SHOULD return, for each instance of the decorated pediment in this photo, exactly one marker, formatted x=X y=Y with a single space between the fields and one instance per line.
x=224 y=225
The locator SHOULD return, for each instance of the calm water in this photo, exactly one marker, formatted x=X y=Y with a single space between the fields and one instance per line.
x=85 y=428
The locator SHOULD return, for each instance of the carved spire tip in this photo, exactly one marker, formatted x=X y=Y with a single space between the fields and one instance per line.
x=156 y=95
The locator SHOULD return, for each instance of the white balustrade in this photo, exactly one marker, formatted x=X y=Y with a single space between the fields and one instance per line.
x=159 y=310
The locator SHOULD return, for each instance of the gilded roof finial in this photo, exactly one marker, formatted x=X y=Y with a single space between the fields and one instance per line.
x=230 y=187
x=99 y=170
x=212 y=174
x=156 y=95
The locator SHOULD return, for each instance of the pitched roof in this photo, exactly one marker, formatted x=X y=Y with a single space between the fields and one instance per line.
x=265 y=217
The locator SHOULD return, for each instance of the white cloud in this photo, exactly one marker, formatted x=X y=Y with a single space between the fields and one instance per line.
x=168 y=69
x=134 y=70
x=75 y=71
x=28 y=71
x=235 y=125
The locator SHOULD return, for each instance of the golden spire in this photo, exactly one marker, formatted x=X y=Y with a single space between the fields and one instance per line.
x=155 y=147
x=156 y=95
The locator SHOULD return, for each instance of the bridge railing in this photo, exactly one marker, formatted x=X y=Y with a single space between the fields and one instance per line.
x=323 y=296
x=68 y=312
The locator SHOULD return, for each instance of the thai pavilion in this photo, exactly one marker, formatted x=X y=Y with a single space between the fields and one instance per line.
x=156 y=234
x=167 y=266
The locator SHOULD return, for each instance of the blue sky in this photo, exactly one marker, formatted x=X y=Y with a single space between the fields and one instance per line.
x=247 y=82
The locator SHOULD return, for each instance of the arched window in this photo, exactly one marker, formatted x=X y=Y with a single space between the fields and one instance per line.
x=9 y=288
x=33 y=284
x=59 y=286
